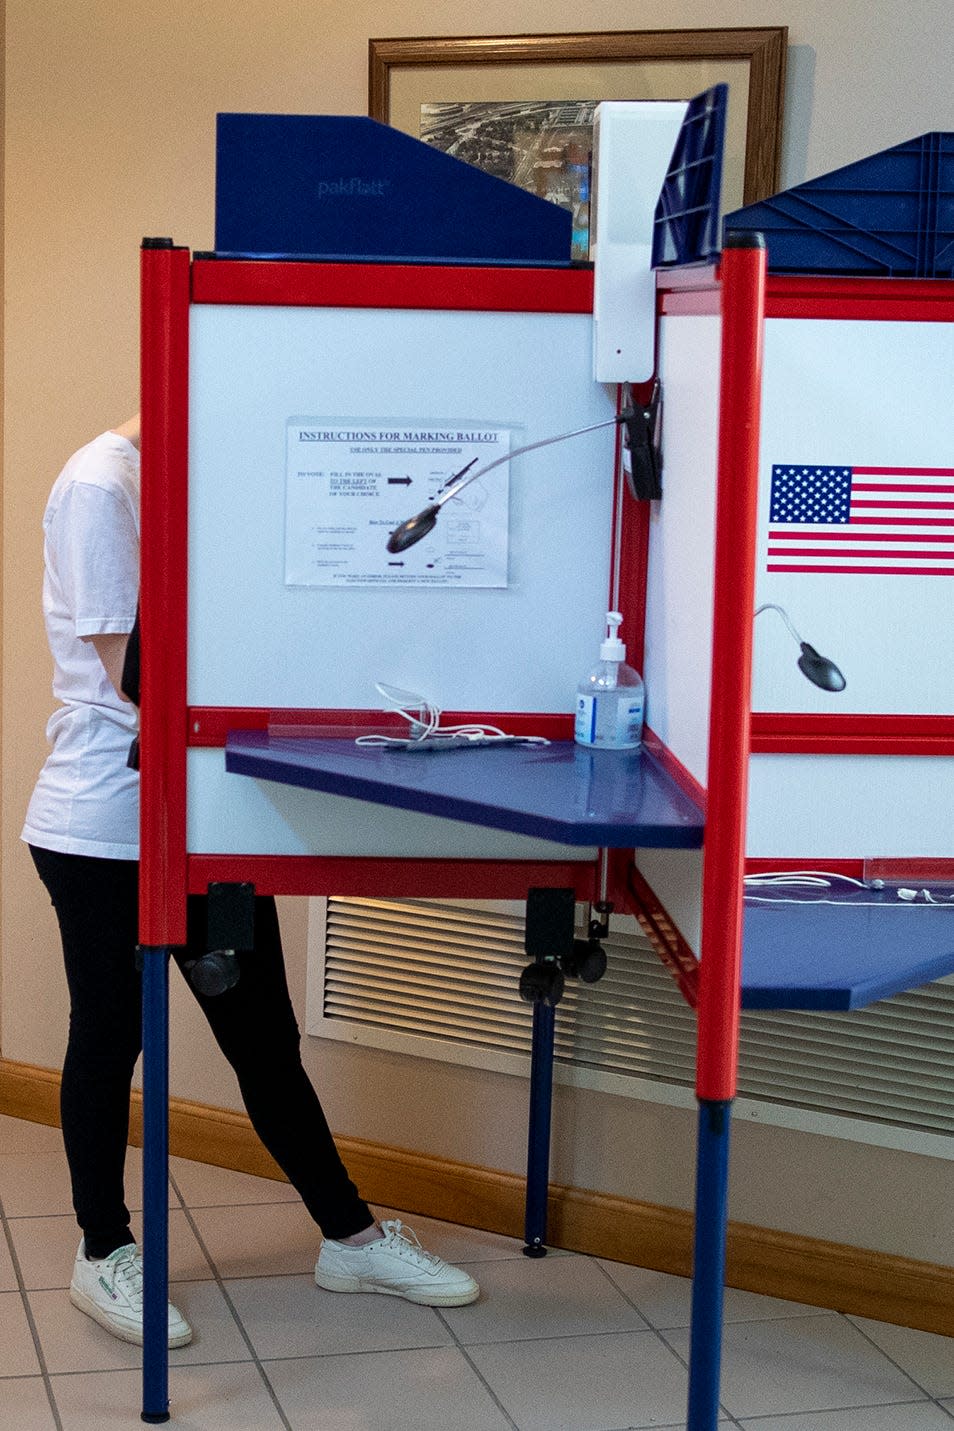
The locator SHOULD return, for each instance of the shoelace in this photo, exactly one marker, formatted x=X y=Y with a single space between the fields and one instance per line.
x=128 y=1270
x=405 y=1242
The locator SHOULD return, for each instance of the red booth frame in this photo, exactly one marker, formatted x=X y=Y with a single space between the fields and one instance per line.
x=170 y=284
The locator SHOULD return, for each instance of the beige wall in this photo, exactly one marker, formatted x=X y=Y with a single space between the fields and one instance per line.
x=109 y=136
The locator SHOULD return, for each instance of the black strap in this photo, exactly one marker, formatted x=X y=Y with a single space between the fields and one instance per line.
x=129 y=684
x=130 y=679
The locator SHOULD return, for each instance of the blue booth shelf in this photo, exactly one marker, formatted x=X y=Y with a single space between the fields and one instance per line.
x=890 y=215
x=799 y=952
x=560 y=792
x=842 y=954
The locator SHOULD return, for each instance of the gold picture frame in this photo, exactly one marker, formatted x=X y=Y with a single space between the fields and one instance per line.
x=404 y=74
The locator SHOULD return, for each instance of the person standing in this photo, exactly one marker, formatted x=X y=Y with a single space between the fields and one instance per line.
x=82 y=828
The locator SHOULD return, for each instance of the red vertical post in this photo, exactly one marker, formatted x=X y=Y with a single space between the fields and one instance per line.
x=164 y=293
x=742 y=275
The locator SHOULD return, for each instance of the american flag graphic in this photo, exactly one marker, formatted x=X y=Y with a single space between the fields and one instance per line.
x=875 y=521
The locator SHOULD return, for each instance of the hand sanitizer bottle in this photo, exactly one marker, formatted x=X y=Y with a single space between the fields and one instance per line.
x=610 y=698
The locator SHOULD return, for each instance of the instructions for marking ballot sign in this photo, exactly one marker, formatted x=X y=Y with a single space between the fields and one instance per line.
x=350 y=482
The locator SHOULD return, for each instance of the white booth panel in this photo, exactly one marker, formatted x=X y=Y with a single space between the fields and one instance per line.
x=254 y=641
x=233 y=814
x=678 y=659
x=845 y=394
x=850 y=806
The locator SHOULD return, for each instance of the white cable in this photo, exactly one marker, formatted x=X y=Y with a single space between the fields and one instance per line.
x=822 y=879
x=458 y=484
x=908 y=897
x=785 y=899
x=424 y=720
x=839 y=903
x=786 y=877
x=801 y=877
x=771 y=606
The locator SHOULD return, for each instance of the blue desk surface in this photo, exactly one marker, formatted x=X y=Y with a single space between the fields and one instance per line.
x=798 y=952
x=860 y=947
x=560 y=792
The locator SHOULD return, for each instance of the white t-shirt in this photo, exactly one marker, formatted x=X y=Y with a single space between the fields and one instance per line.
x=86 y=800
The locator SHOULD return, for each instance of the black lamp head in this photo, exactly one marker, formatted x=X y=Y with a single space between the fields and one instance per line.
x=413 y=529
x=815 y=668
x=819 y=670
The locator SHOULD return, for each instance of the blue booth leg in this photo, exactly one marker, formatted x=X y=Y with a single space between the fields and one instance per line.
x=538 y=1137
x=708 y=1278
x=155 y=1100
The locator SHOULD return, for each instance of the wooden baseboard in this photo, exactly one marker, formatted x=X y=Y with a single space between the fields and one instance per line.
x=759 y=1259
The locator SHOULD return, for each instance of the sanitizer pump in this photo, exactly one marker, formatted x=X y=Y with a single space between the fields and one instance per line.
x=610 y=697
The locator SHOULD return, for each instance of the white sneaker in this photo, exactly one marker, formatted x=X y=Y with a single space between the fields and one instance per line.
x=109 y=1289
x=397 y=1265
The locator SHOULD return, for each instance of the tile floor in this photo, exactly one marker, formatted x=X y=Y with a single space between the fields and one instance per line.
x=566 y=1343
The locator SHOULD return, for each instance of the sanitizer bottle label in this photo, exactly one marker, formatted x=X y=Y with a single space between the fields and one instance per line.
x=585 y=728
x=629 y=720
x=609 y=720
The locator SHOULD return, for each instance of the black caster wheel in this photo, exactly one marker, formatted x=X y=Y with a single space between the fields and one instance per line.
x=542 y=983
x=587 y=962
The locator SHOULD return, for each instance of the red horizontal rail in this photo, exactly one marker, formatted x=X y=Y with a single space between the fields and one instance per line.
x=392 y=285
x=378 y=878
x=854 y=868
x=819 y=296
x=209 y=725
x=794 y=733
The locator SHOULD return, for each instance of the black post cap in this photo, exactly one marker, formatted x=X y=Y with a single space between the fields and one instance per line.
x=743 y=238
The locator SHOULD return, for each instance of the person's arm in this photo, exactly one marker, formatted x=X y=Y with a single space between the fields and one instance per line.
x=95 y=543
x=111 y=650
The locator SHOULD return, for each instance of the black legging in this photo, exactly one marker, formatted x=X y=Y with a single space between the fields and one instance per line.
x=96 y=903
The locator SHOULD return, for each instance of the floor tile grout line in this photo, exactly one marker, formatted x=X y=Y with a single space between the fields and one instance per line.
x=356 y=1352
x=464 y=1346
x=68 y=1212
x=137 y=1368
x=897 y=1365
x=624 y=1294
x=476 y=1369
x=801 y=1313
x=659 y=1335
x=781 y=1416
x=683 y=1362
x=232 y=1309
x=31 y=1321
x=925 y=1399
x=237 y=1206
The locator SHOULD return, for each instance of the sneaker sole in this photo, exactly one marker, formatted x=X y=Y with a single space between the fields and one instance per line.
x=125 y=1334
x=332 y=1283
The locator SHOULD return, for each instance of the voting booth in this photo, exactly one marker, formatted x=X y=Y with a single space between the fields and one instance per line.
x=297 y=409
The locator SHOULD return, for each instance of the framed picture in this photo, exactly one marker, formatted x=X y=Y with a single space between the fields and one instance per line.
x=521 y=106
